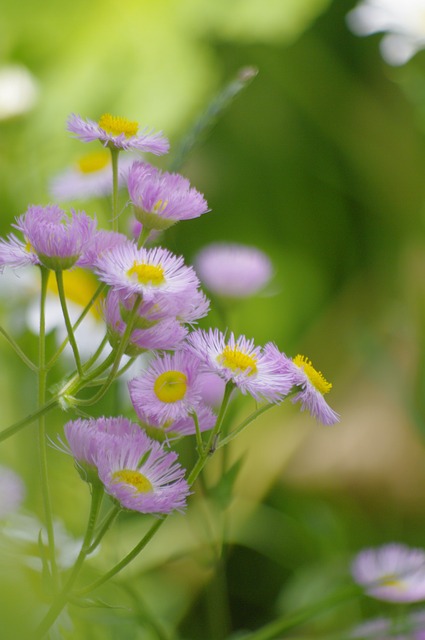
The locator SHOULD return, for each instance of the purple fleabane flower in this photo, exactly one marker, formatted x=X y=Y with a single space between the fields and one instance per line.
x=172 y=429
x=149 y=273
x=90 y=177
x=393 y=572
x=233 y=270
x=168 y=389
x=161 y=199
x=117 y=133
x=166 y=333
x=313 y=386
x=141 y=475
x=101 y=242
x=51 y=238
x=254 y=370
x=409 y=627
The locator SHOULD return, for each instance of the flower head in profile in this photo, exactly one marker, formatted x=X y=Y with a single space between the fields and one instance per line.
x=233 y=270
x=161 y=199
x=150 y=273
x=313 y=386
x=141 y=475
x=117 y=133
x=403 y=22
x=174 y=429
x=254 y=370
x=393 y=572
x=51 y=238
x=89 y=177
x=168 y=389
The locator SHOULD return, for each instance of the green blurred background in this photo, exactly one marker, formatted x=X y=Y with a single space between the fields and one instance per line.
x=320 y=163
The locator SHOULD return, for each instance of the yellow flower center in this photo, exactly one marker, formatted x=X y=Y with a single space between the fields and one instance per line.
x=237 y=360
x=391 y=580
x=159 y=206
x=117 y=125
x=80 y=286
x=170 y=386
x=147 y=273
x=316 y=378
x=134 y=478
x=92 y=162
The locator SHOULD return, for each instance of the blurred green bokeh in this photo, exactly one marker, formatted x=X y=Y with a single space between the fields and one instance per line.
x=319 y=162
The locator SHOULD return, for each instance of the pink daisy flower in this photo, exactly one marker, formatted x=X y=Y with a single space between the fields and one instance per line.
x=393 y=572
x=161 y=199
x=141 y=475
x=313 y=386
x=172 y=429
x=51 y=238
x=150 y=273
x=233 y=270
x=168 y=389
x=117 y=133
x=254 y=370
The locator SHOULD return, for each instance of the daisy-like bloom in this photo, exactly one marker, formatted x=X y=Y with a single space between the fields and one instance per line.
x=101 y=242
x=149 y=273
x=85 y=436
x=393 y=572
x=168 y=389
x=12 y=491
x=404 y=23
x=313 y=386
x=116 y=132
x=167 y=333
x=161 y=199
x=89 y=177
x=188 y=308
x=141 y=475
x=412 y=627
x=51 y=238
x=233 y=270
x=254 y=370
x=172 y=429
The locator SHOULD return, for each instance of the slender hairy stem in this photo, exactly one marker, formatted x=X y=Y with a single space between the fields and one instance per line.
x=42 y=449
x=114 y=158
x=125 y=561
x=63 y=597
x=71 y=337
x=104 y=527
x=144 y=235
x=76 y=324
x=17 y=426
x=30 y=364
x=253 y=416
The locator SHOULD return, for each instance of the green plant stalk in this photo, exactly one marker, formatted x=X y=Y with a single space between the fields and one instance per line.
x=253 y=416
x=105 y=526
x=42 y=449
x=114 y=158
x=144 y=235
x=30 y=364
x=75 y=326
x=63 y=597
x=68 y=324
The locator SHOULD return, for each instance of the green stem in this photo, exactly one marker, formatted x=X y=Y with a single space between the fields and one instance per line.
x=144 y=235
x=114 y=158
x=17 y=426
x=75 y=326
x=18 y=350
x=125 y=561
x=276 y=628
x=199 y=441
x=105 y=526
x=253 y=416
x=42 y=449
x=63 y=598
x=71 y=337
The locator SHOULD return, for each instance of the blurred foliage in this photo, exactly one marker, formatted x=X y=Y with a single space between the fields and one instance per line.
x=320 y=163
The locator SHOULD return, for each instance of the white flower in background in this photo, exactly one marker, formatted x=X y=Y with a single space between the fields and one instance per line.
x=18 y=91
x=402 y=20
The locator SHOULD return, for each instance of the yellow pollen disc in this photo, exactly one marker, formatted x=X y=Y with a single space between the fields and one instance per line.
x=80 y=286
x=170 y=386
x=160 y=206
x=391 y=580
x=92 y=162
x=147 y=273
x=316 y=378
x=136 y=479
x=28 y=246
x=117 y=125
x=233 y=358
